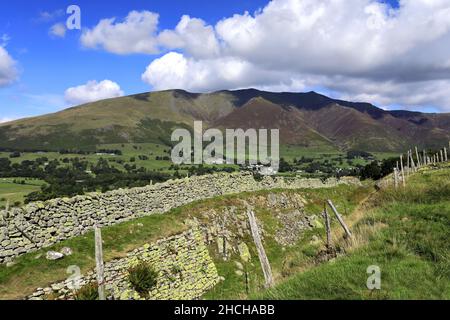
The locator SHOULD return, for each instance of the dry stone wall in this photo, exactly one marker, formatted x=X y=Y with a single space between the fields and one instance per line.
x=42 y=224
x=185 y=272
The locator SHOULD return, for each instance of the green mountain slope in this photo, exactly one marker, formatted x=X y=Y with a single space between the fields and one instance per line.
x=304 y=119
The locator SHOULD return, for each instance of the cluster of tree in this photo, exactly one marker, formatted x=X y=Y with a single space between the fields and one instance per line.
x=201 y=170
x=74 y=178
x=354 y=154
x=311 y=166
x=15 y=154
x=378 y=169
x=374 y=170
x=25 y=169
x=319 y=167
x=61 y=151
x=72 y=151
x=285 y=166
x=303 y=160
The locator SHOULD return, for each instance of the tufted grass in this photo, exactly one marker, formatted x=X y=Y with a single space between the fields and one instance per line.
x=411 y=248
x=285 y=261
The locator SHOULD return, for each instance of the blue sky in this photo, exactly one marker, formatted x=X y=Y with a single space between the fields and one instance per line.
x=47 y=65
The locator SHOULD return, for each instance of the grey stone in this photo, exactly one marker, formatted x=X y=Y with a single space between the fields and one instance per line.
x=5 y=243
x=53 y=255
x=57 y=286
x=11 y=264
x=239 y=265
x=66 y=251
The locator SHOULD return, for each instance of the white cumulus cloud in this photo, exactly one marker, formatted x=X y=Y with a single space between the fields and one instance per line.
x=8 y=69
x=93 y=91
x=174 y=70
x=136 y=34
x=58 y=30
x=193 y=35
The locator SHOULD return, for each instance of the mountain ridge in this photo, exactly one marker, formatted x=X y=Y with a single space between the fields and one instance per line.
x=304 y=119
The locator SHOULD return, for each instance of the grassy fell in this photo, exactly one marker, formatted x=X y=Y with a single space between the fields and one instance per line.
x=410 y=247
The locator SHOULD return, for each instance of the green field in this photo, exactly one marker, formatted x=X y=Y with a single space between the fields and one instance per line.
x=13 y=190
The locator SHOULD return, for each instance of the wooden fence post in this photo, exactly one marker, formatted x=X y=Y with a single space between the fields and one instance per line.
x=445 y=154
x=403 y=171
x=418 y=158
x=396 y=177
x=265 y=265
x=413 y=165
x=407 y=163
x=341 y=221
x=99 y=263
x=327 y=226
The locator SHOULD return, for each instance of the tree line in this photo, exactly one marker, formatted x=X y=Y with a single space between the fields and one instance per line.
x=76 y=176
